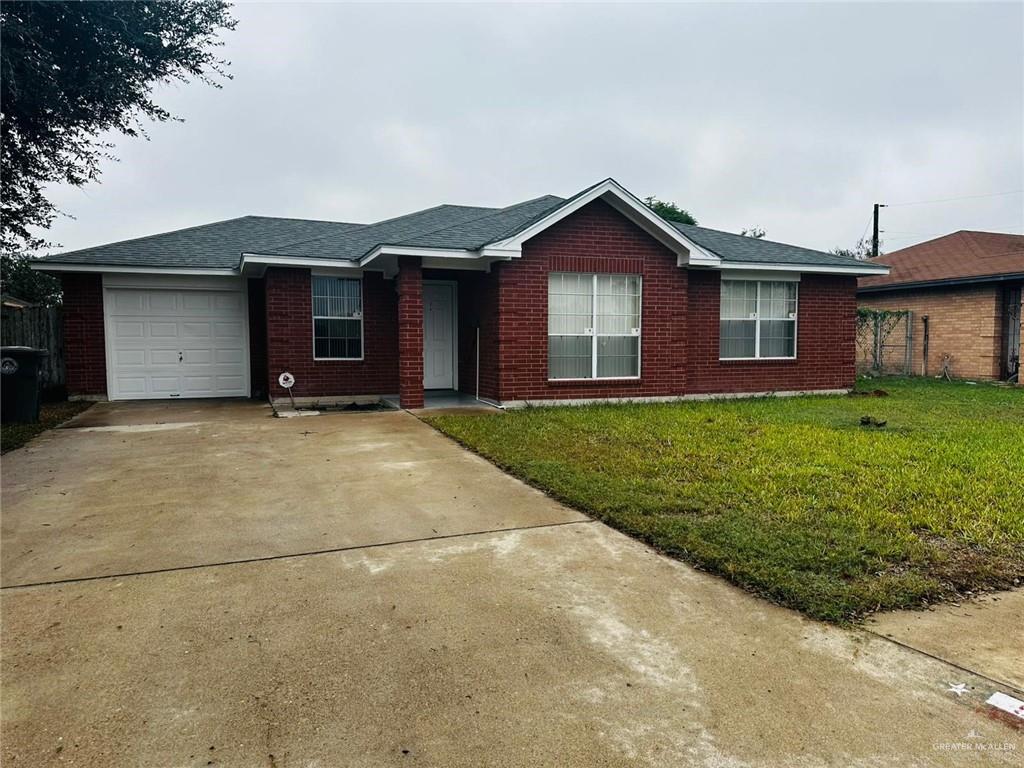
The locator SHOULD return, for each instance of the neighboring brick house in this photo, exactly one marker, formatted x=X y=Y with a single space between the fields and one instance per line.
x=964 y=290
x=588 y=298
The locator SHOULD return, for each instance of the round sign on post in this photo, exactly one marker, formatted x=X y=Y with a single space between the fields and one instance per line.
x=286 y=380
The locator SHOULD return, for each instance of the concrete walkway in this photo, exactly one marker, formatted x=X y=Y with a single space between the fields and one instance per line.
x=355 y=590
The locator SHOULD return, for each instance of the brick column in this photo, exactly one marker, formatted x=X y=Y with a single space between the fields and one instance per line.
x=410 y=332
x=86 y=356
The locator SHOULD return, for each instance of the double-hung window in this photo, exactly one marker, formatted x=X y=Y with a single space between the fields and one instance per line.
x=337 y=318
x=593 y=326
x=758 y=319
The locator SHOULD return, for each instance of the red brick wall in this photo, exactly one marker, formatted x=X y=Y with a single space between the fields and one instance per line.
x=84 y=348
x=594 y=239
x=679 y=338
x=963 y=322
x=826 y=340
x=290 y=339
x=410 y=332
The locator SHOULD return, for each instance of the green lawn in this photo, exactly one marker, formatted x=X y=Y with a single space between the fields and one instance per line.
x=793 y=498
x=50 y=415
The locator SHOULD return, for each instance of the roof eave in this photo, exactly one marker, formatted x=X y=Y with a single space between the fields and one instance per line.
x=829 y=269
x=140 y=269
x=949 y=282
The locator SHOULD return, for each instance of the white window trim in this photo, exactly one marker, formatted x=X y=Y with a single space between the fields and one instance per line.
x=361 y=318
x=594 y=336
x=757 y=325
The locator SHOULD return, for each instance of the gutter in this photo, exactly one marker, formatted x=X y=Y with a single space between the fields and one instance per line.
x=947 y=282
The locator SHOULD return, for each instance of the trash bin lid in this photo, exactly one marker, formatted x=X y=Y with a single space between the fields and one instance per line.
x=23 y=351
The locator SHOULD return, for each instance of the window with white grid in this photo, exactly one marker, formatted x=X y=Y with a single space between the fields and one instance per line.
x=757 y=319
x=337 y=318
x=593 y=326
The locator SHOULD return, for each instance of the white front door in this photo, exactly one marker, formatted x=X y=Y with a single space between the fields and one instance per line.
x=170 y=343
x=438 y=335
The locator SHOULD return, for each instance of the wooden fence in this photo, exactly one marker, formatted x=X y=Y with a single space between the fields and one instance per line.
x=38 y=327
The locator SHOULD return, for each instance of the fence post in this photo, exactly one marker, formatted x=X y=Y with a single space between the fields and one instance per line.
x=908 y=351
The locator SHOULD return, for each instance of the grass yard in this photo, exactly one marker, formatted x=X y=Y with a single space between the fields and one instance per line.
x=793 y=498
x=50 y=415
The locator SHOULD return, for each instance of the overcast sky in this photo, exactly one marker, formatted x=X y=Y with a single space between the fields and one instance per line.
x=794 y=118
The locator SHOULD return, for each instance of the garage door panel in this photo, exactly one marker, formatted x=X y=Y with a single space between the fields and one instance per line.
x=230 y=382
x=168 y=385
x=158 y=357
x=128 y=358
x=229 y=356
x=176 y=343
x=130 y=385
x=163 y=330
x=227 y=330
x=129 y=329
x=197 y=356
x=163 y=302
x=196 y=330
x=227 y=302
x=196 y=302
x=129 y=303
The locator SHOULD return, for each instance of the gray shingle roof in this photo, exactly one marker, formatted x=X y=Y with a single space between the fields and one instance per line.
x=740 y=248
x=351 y=245
x=221 y=244
x=208 y=246
x=496 y=225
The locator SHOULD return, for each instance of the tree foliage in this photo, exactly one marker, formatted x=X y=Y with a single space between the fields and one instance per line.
x=669 y=211
x=70 y=71
x=861 y=251
x=18 y=279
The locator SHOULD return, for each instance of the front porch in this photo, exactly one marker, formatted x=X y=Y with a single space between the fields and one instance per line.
x=445 y=399
x=447 y=336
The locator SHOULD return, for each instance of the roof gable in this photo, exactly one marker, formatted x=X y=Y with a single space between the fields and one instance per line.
x=619 y=198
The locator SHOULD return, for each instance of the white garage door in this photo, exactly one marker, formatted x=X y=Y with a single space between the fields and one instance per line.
x=172 y=343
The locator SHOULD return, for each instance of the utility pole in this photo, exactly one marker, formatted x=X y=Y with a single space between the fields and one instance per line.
x=874 y=234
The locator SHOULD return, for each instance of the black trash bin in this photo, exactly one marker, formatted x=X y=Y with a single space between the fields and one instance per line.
x=19 y=384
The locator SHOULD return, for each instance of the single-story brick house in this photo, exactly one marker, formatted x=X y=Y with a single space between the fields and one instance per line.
x=588 y=298
x=964 y=290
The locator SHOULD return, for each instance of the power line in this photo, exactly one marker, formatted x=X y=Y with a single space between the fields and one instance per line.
x=965 y=197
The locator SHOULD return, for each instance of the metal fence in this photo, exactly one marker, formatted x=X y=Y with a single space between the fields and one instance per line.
x=885 y=343
x=38 y=327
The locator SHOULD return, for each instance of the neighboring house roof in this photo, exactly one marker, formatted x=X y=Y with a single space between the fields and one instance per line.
x=443 y=231
x=961 y=257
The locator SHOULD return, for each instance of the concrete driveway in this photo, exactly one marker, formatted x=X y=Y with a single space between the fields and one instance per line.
x=200 y=584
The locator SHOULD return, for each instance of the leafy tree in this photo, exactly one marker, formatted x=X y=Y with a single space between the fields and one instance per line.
x=669 y=211
x=20 y=280
x=755 y=232
x=71 y=70
x=861 y=251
